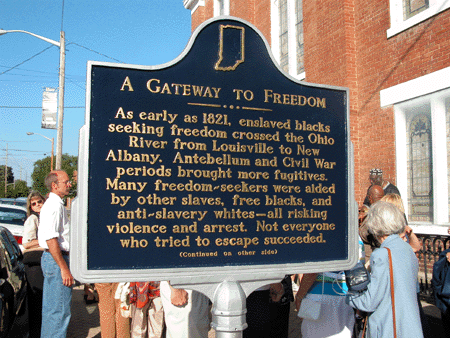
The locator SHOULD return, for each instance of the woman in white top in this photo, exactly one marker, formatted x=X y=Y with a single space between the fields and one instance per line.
x=35 y=202
x=32 y=261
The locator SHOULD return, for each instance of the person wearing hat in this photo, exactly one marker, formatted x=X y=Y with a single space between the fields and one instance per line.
x=376 y=178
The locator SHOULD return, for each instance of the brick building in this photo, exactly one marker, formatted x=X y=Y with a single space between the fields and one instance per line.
x=394 y=56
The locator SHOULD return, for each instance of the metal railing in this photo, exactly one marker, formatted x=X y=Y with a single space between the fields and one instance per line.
x=432 y=246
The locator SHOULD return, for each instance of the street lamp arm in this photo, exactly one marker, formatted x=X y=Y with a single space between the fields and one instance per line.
x=56 y=43
x=52 y=141
x=62 y=70
x=48 y=138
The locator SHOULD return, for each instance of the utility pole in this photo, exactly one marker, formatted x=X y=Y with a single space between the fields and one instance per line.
x=6 y=168
x=62 y=76
x=62 y=71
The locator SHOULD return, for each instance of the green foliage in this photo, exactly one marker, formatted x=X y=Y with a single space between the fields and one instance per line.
x=42 y=168
x=14 y=190
x=73 y=190
x=9 y=177
x=2 y=189
x=19 y=189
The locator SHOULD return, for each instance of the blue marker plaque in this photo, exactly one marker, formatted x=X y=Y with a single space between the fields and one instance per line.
x=212 y=165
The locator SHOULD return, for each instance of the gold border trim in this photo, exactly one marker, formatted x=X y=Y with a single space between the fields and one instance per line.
x=253 y=108
x=205 y=105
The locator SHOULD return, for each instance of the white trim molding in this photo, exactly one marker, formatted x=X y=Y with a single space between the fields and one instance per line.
x=420 y=86
x=226 y=7
x=399 y=25
x=192 y=5
x=432 y=91
x=292 y=38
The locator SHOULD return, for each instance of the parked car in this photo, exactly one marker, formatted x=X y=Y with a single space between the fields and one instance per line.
x=22 y=201
x=13 y=217
x=13 y=284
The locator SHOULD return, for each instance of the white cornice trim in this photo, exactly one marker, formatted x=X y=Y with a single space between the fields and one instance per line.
x=192 y=5
x=420 y=86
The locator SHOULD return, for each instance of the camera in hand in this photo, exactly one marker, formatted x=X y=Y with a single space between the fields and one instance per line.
x=357 y=278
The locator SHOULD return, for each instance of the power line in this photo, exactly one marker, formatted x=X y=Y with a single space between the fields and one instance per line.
x=25 y=60
x=27 y=151
x=31 y=70
x=62 y=16
x=73 y=43
x=15 y=141
x=50 y=74
x=91 y=50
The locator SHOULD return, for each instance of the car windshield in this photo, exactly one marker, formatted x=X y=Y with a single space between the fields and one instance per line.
x=21 y=203
x=9 y=201
x=12 y=216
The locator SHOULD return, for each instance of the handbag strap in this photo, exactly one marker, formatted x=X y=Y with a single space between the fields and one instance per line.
x=365 y=326
x=391 y=274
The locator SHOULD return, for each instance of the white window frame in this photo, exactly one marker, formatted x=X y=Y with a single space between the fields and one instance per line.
x=399 y=25
x=226 y=7
x=292 y=41
x=432 y=89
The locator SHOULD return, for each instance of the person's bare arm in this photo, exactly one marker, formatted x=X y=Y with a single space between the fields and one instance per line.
x=276 y=291
x=31 y=244
x=178 y=297
x=413 y=240
x=307 y=280
x=55 y=251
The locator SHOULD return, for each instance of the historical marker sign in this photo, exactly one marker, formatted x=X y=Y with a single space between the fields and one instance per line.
x=216 y=164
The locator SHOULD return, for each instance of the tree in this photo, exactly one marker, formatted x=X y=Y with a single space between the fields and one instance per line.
x=13 y=190
x=9 y=181
x=9 y=177
x=2 y=190
x=42 y=168
x=20 y=189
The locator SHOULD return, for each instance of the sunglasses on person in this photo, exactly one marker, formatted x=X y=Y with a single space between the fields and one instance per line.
x=36 y=203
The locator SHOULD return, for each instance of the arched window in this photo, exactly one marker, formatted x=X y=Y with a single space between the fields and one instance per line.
x=422 y=141
x=287 y=36
x=420 y=173
x=284 y=37
x=299 y=33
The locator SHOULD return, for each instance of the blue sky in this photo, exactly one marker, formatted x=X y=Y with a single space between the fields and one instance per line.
x=145 y=32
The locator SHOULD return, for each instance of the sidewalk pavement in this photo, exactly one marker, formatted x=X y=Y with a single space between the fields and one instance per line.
x=85 y=319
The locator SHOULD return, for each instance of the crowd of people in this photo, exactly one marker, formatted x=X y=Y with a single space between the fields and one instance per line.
x=387 y=307
x=126 y=309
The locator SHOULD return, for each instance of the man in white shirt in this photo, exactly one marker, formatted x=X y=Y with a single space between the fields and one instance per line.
x=53 y=236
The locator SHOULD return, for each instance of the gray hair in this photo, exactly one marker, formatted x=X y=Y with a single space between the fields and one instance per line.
x=51 y=178
x=385 y=219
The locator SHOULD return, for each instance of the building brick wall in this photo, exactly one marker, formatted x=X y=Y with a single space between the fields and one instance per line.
x=197 y=18
x=243 y=9
x=262 y=10
x=346 y=45
x=382 y=63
